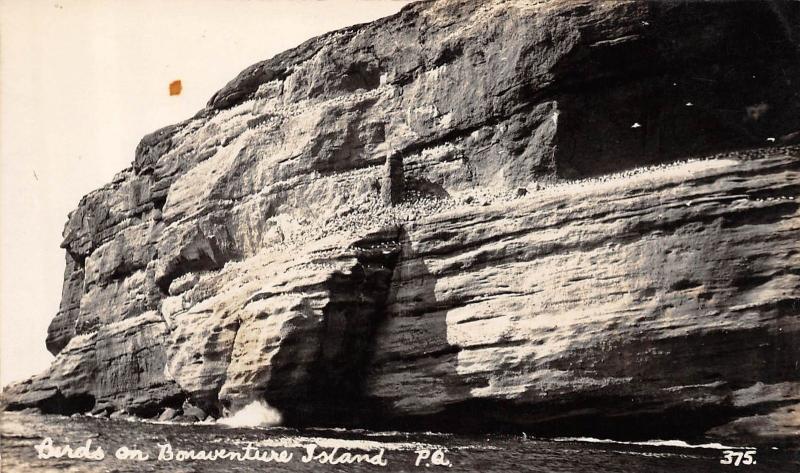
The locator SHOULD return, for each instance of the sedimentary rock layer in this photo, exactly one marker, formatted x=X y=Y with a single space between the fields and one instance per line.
x=375 y=228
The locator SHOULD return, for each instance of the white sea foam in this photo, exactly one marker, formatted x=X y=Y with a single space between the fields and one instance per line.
x=301 y=441
x=347 y=444
x=653 y=443
x=656 y=454
x=255 y=414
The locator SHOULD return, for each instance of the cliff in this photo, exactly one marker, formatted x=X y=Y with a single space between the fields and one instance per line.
x=469 y=215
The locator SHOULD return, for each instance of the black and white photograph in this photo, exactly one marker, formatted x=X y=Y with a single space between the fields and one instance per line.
x=362 y=236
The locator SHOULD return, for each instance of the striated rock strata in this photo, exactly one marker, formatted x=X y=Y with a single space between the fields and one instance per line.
x=376 y=228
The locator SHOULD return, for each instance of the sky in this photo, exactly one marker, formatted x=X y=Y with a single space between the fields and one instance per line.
x=81 y=81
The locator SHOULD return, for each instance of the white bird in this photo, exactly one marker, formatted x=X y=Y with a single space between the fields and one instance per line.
x=636 y=125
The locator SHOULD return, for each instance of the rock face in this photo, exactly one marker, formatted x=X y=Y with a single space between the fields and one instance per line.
x=375 y=228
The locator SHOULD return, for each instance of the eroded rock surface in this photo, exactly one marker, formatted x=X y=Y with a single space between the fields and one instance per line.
x=375 y=228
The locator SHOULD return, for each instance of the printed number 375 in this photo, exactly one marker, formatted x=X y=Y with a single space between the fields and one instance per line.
x=731 y=457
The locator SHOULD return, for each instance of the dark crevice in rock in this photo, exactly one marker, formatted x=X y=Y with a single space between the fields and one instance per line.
x=448 y=351
x=153 y=407
x=760 y=216
x=407 y=77
x=684 y=284
x=57 y=403
x=360 y=75
x=159 y=202
x=748 y=282
x=448 y=54
x=78 y=258
x=206 y=252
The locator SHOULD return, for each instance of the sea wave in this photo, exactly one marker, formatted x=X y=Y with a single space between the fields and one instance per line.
x=255 y=414
x=653 y=443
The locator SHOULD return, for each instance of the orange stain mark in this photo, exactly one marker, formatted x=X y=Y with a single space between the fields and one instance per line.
x=175 y=87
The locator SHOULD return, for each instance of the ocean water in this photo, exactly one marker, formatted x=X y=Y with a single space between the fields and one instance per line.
x=190 y=448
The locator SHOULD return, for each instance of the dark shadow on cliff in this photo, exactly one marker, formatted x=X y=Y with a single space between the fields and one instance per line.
x=432 y=361
x=727 y=84
x=389 y=280
x=331 y=390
